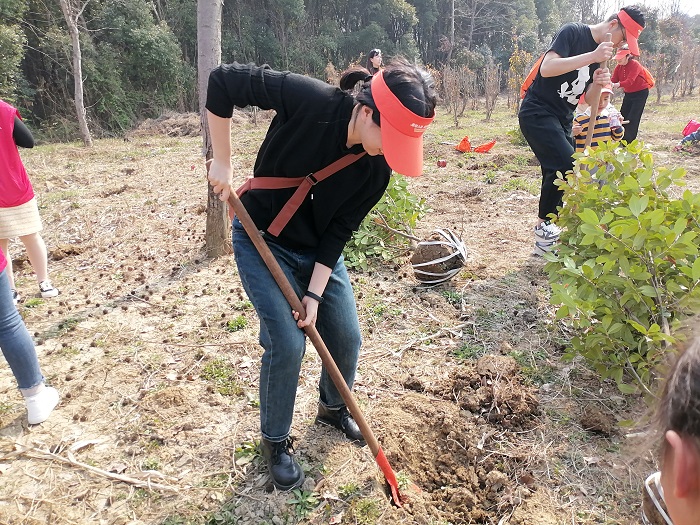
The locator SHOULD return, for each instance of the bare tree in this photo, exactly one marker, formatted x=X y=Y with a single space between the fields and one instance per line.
x=452 y=31
x=208 y=57
x=459 y=86
x=71 y=14
x=492 y=86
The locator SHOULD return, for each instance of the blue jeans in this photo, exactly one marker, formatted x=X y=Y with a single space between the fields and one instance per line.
x=283 y=342
x=16 y=343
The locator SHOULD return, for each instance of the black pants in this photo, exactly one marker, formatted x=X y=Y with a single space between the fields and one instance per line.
x=632 y=109
x=553 y=146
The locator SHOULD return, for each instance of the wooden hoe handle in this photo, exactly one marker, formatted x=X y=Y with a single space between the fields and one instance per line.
x=317 y=341
x=593 y=98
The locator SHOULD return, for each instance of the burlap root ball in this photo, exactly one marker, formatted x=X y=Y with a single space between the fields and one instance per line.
x=439 y=258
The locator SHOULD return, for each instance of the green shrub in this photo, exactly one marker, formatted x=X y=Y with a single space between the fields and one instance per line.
x=517 y=137
x=627 y=269
x=400 y=210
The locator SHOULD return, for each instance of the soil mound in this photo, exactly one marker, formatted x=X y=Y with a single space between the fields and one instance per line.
x=461 y=450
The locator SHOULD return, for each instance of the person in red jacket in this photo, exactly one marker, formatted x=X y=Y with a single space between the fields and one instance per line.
x=628 y=76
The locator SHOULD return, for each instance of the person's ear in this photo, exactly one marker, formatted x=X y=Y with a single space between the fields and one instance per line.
x=685 y=466
x=367 y=112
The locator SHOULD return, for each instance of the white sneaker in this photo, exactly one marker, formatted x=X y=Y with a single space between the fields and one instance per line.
x=40 y=406
x=546 y=236
x=47 y=289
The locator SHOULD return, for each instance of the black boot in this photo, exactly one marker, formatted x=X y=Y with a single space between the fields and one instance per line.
x=341 y=419
x=286 y=473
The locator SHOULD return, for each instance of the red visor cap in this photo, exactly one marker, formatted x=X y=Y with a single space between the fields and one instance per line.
x=402 y=130
x=622 y=53
x=632 y=29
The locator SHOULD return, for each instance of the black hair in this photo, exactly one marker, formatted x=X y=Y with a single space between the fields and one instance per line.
x=679 y=406
x=635 y=14
x=412 y=85
x=370 y=66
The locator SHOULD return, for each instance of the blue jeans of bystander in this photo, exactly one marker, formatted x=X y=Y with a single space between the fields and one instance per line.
x=16 y=343
x=283 y=342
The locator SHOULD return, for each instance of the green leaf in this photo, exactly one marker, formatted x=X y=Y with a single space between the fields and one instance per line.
x=656 y=217
x=638 y=327
x=638 y=204
x=588 y=216
x=696 y=269
x=626 y=389
x=622 y=212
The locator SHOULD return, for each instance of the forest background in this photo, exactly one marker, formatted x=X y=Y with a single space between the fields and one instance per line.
x=139 y=57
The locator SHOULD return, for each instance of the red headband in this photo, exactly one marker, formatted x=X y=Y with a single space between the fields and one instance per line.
x=402 y=130
x=633 y=30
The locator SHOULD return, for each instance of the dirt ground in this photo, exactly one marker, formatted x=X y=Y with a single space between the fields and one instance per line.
x=154 y=350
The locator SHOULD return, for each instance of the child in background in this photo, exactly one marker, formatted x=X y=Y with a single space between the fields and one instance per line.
x=608 y=124
x=581 y=109
x=678 y=428
x=691 y=137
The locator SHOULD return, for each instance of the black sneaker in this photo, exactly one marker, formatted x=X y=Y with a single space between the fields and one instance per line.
x=341 y=419
x=285 y=472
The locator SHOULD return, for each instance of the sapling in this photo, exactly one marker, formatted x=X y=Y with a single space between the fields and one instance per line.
x=627 y=270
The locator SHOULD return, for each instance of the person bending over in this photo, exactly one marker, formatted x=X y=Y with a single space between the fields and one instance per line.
x=375 y=131
x=546 y=113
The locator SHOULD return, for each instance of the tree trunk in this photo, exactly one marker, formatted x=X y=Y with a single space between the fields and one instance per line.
x=217 y=240
x=452 y=32
x=72 y=22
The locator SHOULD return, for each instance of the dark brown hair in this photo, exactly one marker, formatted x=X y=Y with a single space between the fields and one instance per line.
x=412 y=85
x=678 y=407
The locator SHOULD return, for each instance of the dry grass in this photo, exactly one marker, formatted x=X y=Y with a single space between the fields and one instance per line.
x=138 y=345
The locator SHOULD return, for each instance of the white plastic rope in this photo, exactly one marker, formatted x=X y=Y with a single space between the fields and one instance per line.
x=453 y=242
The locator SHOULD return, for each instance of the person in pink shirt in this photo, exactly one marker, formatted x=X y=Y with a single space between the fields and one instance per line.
x=19 y=213
x=628 y=76
x=19 y=351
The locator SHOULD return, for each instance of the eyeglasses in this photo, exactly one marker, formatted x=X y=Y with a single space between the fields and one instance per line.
x=655 y=495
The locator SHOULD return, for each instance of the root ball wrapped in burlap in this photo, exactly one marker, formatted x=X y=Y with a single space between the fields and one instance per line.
x=440 y=258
